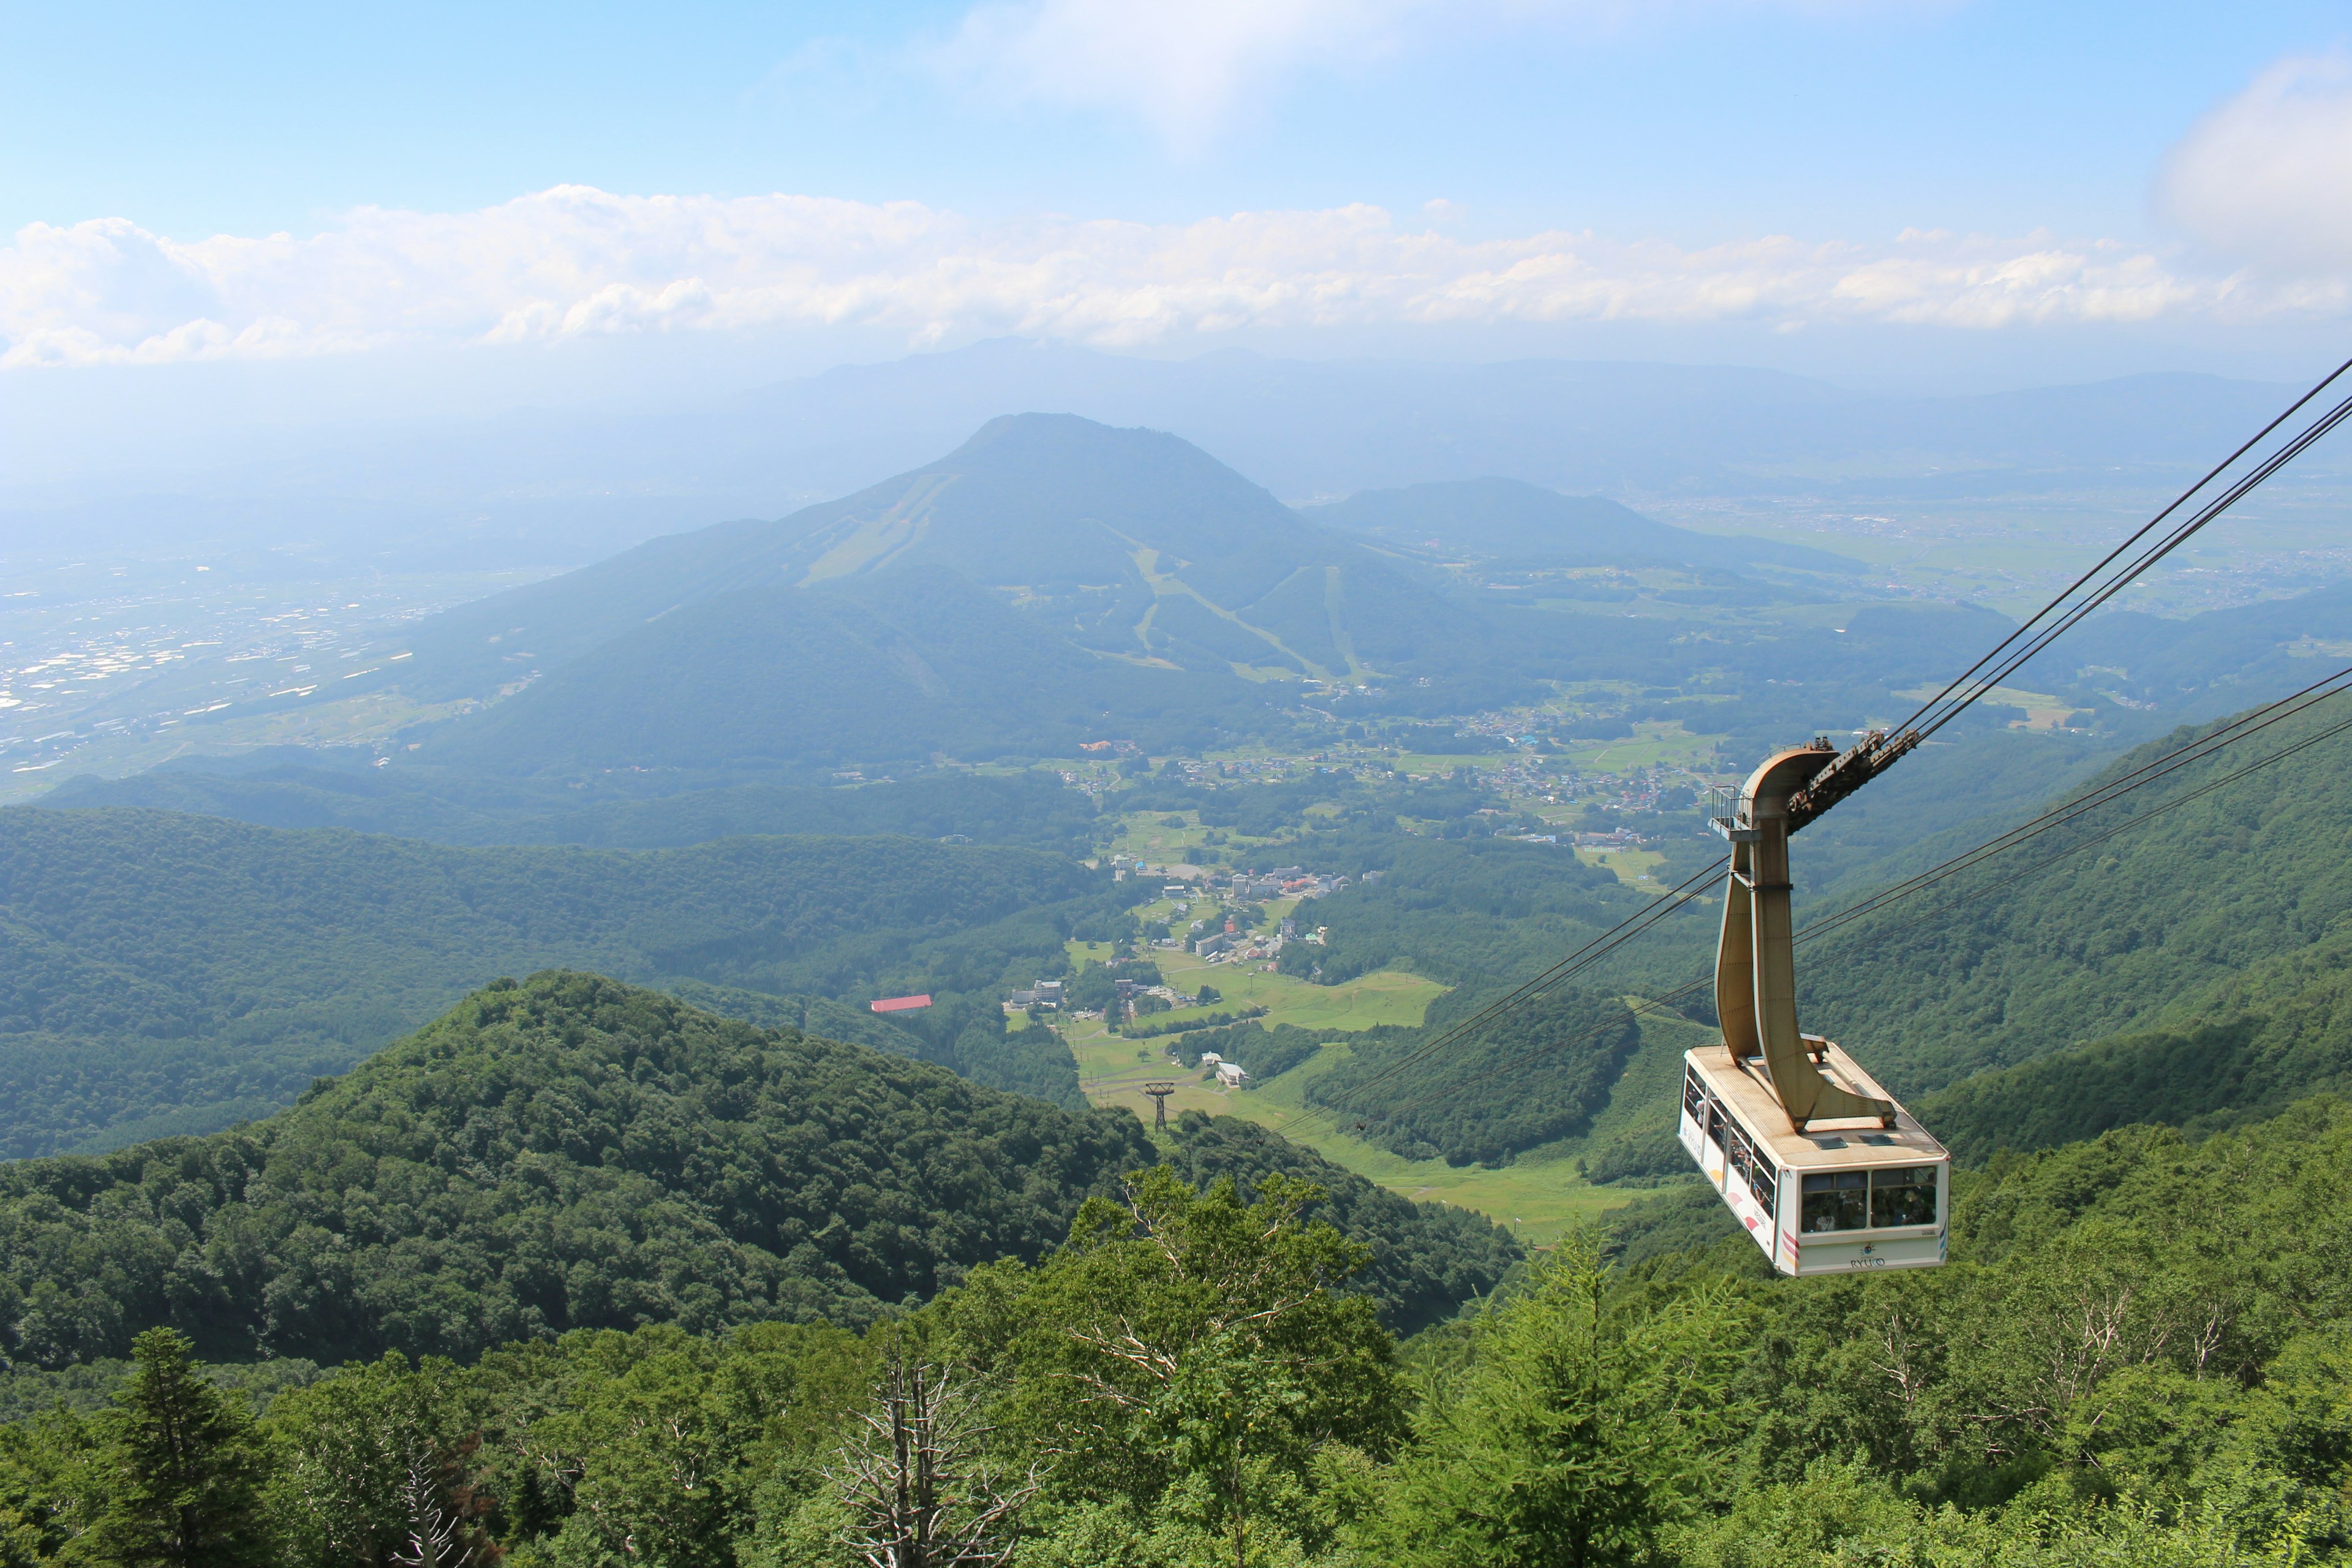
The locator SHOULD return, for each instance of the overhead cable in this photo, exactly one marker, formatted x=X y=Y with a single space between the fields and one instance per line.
x=2195 y=750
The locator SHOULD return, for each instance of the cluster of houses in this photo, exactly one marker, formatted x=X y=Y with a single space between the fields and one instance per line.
x=1231 y=946
x=1285 y=882
x=1050 y=996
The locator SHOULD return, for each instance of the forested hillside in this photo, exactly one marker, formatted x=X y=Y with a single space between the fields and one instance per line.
x=891 y=670
x=274 y=789
x=2279 y=1031
x=155 y=962
x=573 y=1152
x=1470 y=911
x=2136 y=1356
x=1535 y=1073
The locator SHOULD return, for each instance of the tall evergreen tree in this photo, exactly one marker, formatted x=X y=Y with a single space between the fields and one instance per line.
x=184 y=1469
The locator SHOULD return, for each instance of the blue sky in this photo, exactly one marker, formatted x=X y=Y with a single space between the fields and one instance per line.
x=2064 y=159
x=1692 y=121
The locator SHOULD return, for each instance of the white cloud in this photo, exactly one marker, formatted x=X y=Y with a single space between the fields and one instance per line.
x=1180 y=67
x=1185 y=66
x=2267 y=176
x=575 y=261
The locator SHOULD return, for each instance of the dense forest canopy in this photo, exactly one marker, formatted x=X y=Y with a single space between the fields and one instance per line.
x=569 y=1153
x=1533 y=1074
x=574 y=1152
x=2135 y=1356
x=1476 y=911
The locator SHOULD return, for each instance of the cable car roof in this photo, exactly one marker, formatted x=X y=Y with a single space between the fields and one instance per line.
x=1827 y=1146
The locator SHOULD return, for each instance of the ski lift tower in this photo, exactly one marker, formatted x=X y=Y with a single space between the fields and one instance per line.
x=1159 y=1093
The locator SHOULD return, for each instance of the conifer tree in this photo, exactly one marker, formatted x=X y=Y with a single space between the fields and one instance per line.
x=184 y=1469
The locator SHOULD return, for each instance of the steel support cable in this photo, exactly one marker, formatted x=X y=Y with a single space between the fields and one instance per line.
x=1832 y=923
x=1964 y=677
x=2147 y=558
x=2205 y=745
x=1661 y=1005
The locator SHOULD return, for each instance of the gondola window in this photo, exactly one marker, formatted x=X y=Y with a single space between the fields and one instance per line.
x=1837 y=1200
x=1906 y=1195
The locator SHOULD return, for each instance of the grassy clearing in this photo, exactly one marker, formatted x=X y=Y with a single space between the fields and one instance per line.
x=1539 y=1196
x=1159 y=836
x=1655 y=744
x=1634 y=868
x=1386 y=996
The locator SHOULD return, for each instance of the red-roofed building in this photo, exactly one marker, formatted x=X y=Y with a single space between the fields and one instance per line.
x=900 y=1004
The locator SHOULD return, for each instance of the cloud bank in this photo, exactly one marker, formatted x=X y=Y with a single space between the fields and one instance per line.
x=575 y=261
x=2267 y=176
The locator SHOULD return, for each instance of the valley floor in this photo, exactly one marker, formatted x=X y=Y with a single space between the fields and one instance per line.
x=1539 y=1196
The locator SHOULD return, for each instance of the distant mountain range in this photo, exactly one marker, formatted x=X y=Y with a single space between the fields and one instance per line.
x=1053 y=584
x=570 y=486
x=1050 y=583
x=1514 y=519
x=1131 y=543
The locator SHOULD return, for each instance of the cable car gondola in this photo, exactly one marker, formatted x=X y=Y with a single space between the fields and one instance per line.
x=1826 y=1172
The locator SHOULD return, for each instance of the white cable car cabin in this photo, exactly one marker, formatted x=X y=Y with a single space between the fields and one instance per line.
x=1828 y=1173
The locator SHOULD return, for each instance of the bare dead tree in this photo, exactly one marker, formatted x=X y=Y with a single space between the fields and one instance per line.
x=444 y=1511
x=918 y=1483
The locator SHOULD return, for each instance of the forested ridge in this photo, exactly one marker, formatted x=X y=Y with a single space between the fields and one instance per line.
x=151 y=961
x=574 y=1152
x=1480 y=911
x=1535 y=1073
x=570 y=1154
